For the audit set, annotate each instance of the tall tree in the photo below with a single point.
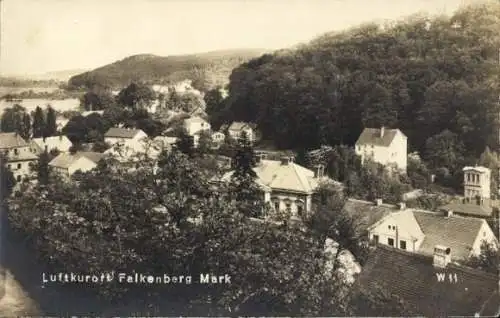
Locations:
(26, 127)
(491, 160)
(42, 168)
(50, 122)
(247, 191)
(185, 143)
(38, 123)
(7, 180)
(136, 96)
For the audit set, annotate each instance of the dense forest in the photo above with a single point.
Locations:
(205, 70)
(436, 79)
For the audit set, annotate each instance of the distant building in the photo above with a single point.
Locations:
(66, 164)
(90, 112)
(60, 143)
(384, 146)
(129, 150)
(236, 130)
(418, 231)
(196, 124)
(218, 137)
(430, 286)
(18, 153)
(119, 135)
(477, 182)
(288, 186)
(165, 142)
(477, 200)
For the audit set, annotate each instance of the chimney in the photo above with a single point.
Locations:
(60, 137)
(402, 205)
(382, 131)
(378, 202)
(442, 256)
(285, 160)
(320, 171)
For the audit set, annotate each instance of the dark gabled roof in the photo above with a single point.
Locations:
(115, 132)
(371, 136)
(469, 208)
(457, 233)
(366, 213)
(413, 278)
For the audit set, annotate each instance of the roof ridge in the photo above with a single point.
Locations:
(307, 186)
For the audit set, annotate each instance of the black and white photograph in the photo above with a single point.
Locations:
(249, 158)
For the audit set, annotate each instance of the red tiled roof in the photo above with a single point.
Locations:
(413, 278)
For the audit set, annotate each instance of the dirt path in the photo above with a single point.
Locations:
(15, 301)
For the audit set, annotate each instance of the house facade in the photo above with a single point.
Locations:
(236, 130)
(287, 186)
(218, 137)
(388, 147)
(19, 155)
(196, 124)
(66, 164)
(120, 135)
(128, 150)
(477, 182)
(419, 231)
(60, 143)
(400, 230)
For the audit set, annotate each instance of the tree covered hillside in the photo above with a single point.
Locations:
(205, 69)
(437, 79)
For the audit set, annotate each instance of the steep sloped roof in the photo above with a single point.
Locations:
(371, 136)
(278, 176)
(66, 160)
(11, 140)
(115, 132)
(366, 213)
(457, 233)
(62, 143)
(413, 278)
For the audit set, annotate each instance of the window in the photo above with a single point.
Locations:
(390, 241)
(18, 178)
(18, 166)
(375, 239)
(16, 152)
(389, 227)
(277, 205)
(402, 245)
(300, 210)
(288, 207)
(9, 166)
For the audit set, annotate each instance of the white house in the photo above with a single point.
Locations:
(165, 142)
(218, 137)
(236, 129)
(117, 135)
(90, 112)
(129, 149)
(61, 143)
(384, 146)
(477, 182)
(18, 153)
(419, 231)
(66, 164)
(286, 185)
(195, 124)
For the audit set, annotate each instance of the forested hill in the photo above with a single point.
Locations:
(436, 79)
(205, 69)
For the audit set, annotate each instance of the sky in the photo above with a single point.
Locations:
(39, 36)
